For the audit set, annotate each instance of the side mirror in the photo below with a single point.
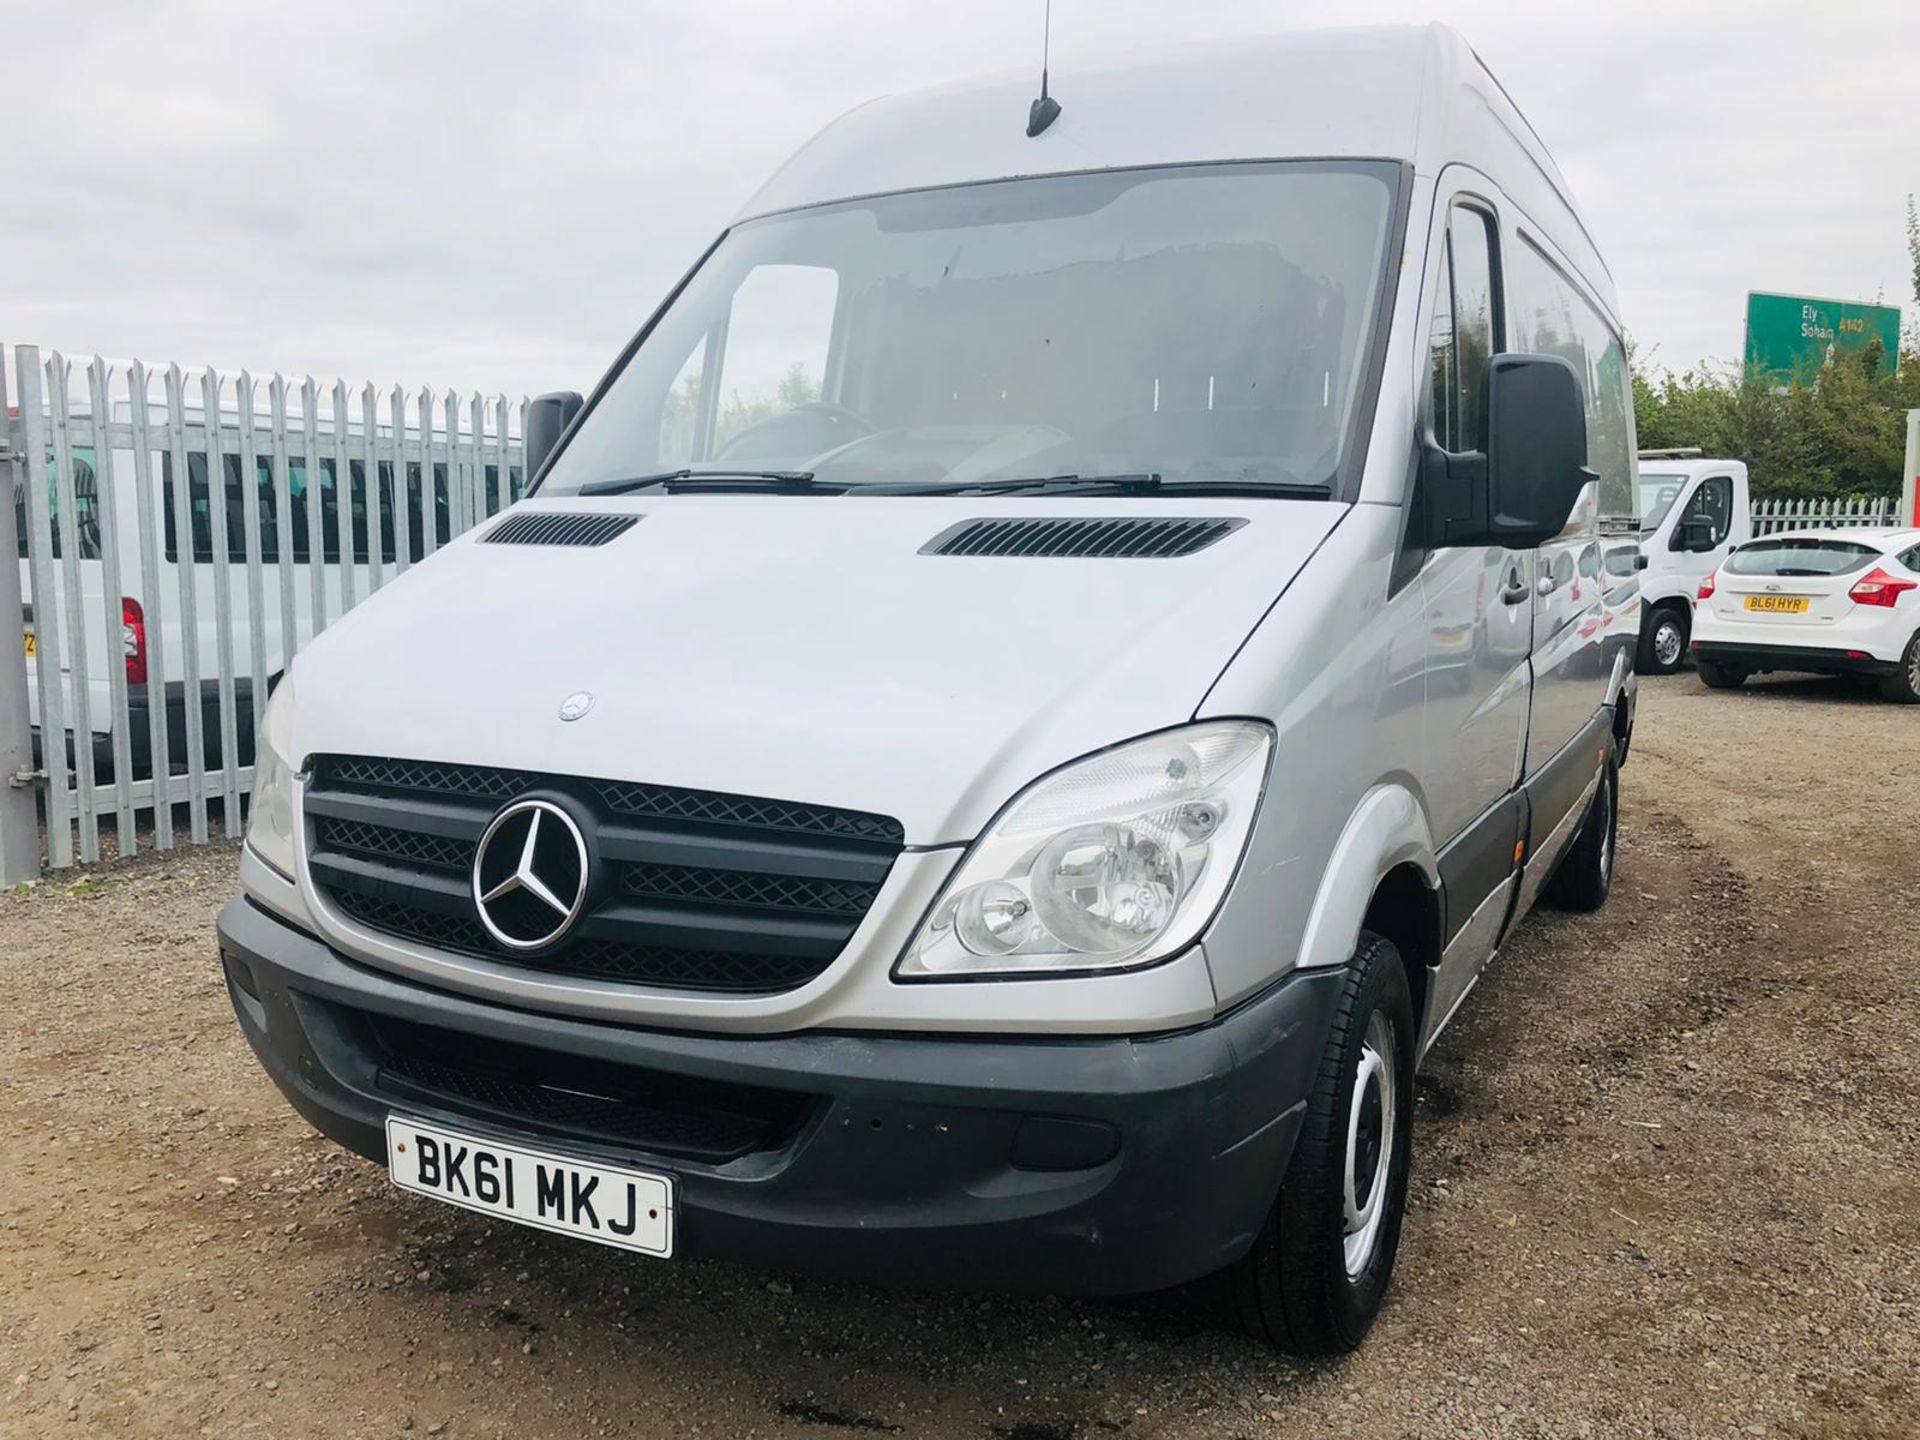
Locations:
(1536, 448)
(1695, 533)
(548, 417)
(1521, 491)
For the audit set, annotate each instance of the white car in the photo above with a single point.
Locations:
(1834, 602)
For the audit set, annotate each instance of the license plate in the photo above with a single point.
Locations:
(606, 1203)
(32, 648)
(1778, 604)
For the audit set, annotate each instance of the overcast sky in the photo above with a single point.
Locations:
(468, 194)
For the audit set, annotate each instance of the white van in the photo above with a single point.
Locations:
(140, 628)
(1017, 711)
(1694, 511)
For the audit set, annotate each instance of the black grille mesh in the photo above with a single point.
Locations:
(1157, 538)
(426, 776)
(481, 782)
(710, 808)
(733, 887)
(389, 842)
(589, 957)
(579, 1096)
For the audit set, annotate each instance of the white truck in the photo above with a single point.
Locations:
(1693, 511)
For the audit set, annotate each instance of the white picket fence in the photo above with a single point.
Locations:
(161, 604)
(1770, 517)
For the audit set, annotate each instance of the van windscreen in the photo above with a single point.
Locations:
(1204, 324)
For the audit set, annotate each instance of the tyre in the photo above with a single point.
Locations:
(1716, 676)
(1903, 686)
(1316, 1275)
(1585, 875)
(1663, 643)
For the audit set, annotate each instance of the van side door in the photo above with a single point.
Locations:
(1573, 661)
(1702, 532)
(1479, 620)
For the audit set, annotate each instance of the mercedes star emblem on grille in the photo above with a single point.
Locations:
(530, 875)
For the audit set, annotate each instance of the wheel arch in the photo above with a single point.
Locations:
(1382, 876)
(1406, 910)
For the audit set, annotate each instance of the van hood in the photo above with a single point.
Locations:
(799, 648)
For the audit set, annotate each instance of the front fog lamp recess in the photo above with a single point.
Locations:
(1116, 861)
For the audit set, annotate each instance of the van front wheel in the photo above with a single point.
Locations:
(1663, 642)
(1314, 1279)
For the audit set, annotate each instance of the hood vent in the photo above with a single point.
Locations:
(1142, 538)
(555, 527)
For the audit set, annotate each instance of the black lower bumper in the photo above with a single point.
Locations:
(1082, 1166)
(1811, 658)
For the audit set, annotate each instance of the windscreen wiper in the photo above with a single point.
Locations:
(685, 482)
(1020, 485)
(1145, 483)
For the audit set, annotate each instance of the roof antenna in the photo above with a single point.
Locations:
(1046, 109)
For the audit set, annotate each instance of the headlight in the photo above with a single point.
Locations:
(1116, 861)
(270, 826)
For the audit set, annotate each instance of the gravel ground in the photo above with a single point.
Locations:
(1665, 1183)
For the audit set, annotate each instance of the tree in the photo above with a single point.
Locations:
(1913, 245)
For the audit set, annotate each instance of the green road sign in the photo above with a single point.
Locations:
(1792, 336)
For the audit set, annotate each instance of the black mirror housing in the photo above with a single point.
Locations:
(1694, 534)
(1536, 448)
(1521, 490)
(548, 417)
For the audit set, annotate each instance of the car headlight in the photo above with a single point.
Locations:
(270, 826)
(1116, 861)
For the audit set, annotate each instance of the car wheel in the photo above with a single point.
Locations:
(1716, 676)
(1903, 686)
(1318, 1271)
(1663, 645)
(1585, 876)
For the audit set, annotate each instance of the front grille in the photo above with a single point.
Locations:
(695, 889)
(579, 1097)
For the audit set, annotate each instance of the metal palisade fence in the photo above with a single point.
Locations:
(177, 537)
(1770, 517)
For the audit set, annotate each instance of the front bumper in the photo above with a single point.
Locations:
(1814, 658)
(1073, 1165)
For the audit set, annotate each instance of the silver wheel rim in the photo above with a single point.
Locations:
(1666, 643)
(1370, 1140)
(1913, 666)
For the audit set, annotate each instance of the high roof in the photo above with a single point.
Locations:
(1416, 94)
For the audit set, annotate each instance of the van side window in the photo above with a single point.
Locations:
(1713, 503)
(299, 476)
(1464, 337)
(1549, 315)
(86, 500)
